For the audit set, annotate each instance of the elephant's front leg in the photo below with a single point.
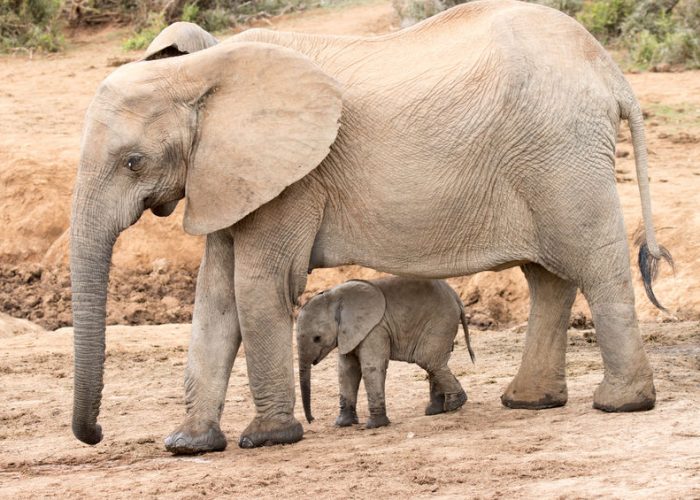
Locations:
(216, 337)
(349, 376)
(266, 327)
(374, 354)
(273, 248)
(541, 379)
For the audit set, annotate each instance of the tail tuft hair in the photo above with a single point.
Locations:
(649, 268)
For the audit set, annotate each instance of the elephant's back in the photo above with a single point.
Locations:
(460, 51)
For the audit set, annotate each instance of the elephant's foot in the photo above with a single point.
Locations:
(262, 432)
(375, 421)
(346, 418)
(455, 401)
(521, 396)
(619, 396)
(436, 406)
(192, 438)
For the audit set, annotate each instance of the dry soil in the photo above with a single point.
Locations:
(481, 451)
(42, 104)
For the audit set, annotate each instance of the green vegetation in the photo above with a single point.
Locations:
(212, 15)
(604, 18)
(653, 33)
(30, 24)
(144, 36)
(37, 24)
(663, 32)
(682, 116)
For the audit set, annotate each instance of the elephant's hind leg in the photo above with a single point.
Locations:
(446, 393)
(541, 378)
(437, 398)
(628, 382)
(216, 337)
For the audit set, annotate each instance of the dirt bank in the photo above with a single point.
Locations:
(481, 451)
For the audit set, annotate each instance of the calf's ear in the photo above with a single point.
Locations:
(361, 307)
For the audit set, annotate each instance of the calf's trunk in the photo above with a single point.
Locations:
(305, 383)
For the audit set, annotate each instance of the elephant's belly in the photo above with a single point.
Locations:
(418, 243)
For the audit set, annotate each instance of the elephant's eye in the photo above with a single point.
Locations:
(317, 339)
(133, 163)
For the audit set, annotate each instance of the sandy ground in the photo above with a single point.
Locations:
(483, 450)
(42, 105)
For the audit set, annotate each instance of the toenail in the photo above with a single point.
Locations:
(246, 442)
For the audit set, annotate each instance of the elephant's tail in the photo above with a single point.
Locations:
(650, 252)
(465, 326)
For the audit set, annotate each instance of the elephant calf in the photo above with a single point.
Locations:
(372, 322)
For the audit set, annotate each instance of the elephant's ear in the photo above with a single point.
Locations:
(178, 39)
(266, 117)
(361, 308)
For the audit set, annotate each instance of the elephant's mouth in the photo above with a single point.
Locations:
(164, 209)
(320, 356)
(323, 354)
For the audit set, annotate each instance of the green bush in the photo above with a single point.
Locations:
(654, 32)
(570, 7)
(30, 24)
(604, 18)
(212, 15)
(155, 24)
(190, 12)
(219, 15)
(216, 19)
(678, 47)
(663, 32)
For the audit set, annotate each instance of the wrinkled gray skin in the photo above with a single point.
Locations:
(482, 138)
(372, 322)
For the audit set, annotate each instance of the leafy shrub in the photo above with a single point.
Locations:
(212, 15)
(211, 19)
(604, 18)
(413, 11)
(143, 37)
(654, 32)
(570, 7)
(31, 24)
(663, 32)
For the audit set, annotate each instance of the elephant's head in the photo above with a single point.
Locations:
(342, 317)
(227, 128)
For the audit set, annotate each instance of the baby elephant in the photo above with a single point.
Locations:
(372, 322)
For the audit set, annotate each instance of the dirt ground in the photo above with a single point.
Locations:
(483, 450)
(42, 105)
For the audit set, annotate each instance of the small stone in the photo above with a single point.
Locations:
(622, 153)
(410, 435)
(160, 266)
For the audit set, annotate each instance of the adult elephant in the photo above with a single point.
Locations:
(482, 138)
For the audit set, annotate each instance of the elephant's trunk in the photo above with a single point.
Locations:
(91, 253)
(305, 383)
